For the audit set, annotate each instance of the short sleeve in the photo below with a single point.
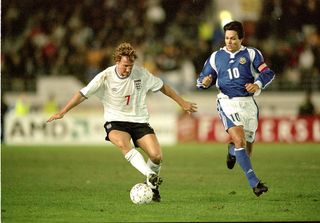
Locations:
(94, 85)
(154, 83)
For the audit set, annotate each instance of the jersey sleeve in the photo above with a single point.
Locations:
(94, 86)
(154, 83)
(208, 69)
(266, 75)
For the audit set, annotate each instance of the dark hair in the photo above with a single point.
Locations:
(124, 49)
(235, 26)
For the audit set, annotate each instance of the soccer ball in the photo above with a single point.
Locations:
(141, 194)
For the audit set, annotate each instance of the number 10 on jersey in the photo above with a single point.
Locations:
(233, 73)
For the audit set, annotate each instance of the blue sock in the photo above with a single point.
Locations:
(231, 149)
(245, 163)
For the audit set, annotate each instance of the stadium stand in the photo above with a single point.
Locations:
(55, 41)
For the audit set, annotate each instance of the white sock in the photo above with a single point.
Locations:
(155, 167)
(137, 160)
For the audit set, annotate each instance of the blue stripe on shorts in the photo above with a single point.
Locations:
(227, 123)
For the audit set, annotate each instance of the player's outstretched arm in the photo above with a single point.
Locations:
(74, 101)
(185, 105)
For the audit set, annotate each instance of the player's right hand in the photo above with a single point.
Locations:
(54, 117)
(206, 82)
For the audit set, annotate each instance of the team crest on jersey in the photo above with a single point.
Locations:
(242, 60)
(137, 83)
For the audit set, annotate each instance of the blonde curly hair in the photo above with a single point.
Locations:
(124, 49)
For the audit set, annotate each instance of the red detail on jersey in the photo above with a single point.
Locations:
(263, 67)
(128, 99)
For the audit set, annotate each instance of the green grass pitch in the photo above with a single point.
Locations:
(92, 183)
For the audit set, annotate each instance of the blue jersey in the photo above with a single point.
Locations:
(231, 71)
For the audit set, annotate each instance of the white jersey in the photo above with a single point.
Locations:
(123, 99)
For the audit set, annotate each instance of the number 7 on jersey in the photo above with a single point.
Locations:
(128, 99)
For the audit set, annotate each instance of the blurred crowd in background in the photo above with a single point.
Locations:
(77, 37)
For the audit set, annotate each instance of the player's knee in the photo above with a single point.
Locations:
(156, 158)
(239, 142)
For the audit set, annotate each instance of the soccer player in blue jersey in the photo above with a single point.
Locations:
(239, 73)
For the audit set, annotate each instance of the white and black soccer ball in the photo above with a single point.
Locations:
(141, 194)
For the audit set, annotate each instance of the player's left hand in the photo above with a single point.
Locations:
(190, 107)
(252, 88)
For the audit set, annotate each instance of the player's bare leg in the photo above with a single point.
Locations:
(237, 136)
(122, 141)
(150, 144)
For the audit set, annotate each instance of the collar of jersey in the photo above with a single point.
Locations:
(232, 54)
(115, 70)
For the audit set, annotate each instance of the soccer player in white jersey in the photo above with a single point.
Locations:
(122, 89)
(239, 73)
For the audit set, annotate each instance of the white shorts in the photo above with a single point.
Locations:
(239, 111)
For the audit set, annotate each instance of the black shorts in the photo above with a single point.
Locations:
(136, 130)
